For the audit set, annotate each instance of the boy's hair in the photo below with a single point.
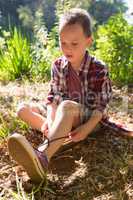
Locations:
(76, 16)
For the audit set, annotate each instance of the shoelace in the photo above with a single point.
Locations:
(47, 141)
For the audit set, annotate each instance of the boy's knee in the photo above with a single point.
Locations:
(22, 109)
(69, 107)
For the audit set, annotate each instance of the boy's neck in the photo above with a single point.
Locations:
(77, 66)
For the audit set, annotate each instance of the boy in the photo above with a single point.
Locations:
(80, 90)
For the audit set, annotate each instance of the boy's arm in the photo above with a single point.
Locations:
(56, 87)
(85, 129)
(51, 111)
(103, 93)
(93, 121)
(54, 97)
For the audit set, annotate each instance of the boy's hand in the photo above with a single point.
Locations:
(78, 134)
(84, 130)
(46, 127)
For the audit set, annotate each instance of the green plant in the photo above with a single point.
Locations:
(114, 46)
(16, 59)
(20, 194)
(45, 50)
(4, 129)
(10, 125)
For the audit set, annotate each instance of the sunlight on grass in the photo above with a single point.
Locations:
(13, 125)
(104, 172)
(21, 194)
(16, 60)
(4, 130)
(80, 172)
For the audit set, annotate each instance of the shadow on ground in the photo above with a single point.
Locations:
(101, 167)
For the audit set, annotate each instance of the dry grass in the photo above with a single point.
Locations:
(99, 168)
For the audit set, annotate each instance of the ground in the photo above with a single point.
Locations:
(98, 168)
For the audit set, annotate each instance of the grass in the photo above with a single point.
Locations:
(11, 124)
(4, 130)
(15, 58)
(99, 168)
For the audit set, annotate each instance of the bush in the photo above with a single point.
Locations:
(115, 47)
(21, 59)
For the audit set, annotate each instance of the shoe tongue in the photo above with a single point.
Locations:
(43, 158)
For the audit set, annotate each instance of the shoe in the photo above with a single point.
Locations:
(34, 162)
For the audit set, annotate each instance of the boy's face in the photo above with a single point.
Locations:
(73, 43)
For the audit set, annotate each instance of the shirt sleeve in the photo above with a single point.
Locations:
(103, 89)
(56, 88)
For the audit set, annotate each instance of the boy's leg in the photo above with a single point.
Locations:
(67, 116)
(30, 113)
(35, 162)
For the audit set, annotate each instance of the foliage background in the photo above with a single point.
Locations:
(29, 37)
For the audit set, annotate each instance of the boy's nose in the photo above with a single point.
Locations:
(69, 50)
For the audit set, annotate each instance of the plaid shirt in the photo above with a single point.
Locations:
(95, 90)
(95, 85)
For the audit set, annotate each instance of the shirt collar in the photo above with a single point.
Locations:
(85, 61)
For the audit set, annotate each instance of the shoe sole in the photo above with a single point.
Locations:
(22, 152)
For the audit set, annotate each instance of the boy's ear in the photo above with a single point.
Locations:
(90, 40)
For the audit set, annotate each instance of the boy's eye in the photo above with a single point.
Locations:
(63, 43)
(74, 44)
